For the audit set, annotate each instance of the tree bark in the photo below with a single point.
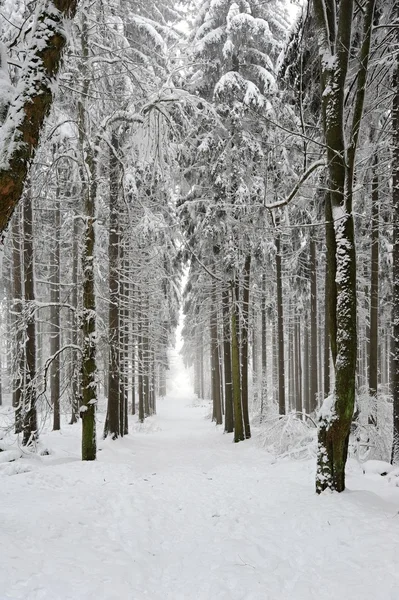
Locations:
(331, 271)
(313, 325)
(32, 103)
(88, 401)
(374, 342)
(306, 387)
(75, 359)
(113, 424)
(19, 354)
(30, 433)
(55, 341)
(326, 337)
(140, 351)
(298, 364)
(228, 384)
(336, 415)
(244, 347)
(280, 330)
(215, 367)
(133, 379)
(263, 396)
(235, 367)
(124, 341)
(395, 258)
(290, 359)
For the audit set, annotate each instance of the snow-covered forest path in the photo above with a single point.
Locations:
(177, 511)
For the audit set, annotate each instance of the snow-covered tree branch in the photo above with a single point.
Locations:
(30, 101)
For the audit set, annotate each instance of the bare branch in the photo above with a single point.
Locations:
(316, 165)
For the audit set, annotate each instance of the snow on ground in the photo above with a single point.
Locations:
(177, 511)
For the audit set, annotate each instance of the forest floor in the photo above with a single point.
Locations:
(177, 511)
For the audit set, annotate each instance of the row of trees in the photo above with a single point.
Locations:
(90, 269)
(295, 189)
(261, 161)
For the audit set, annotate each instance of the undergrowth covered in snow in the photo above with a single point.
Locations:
(295, 435)
(292, 435)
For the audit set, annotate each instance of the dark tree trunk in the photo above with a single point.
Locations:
(133, 380)
(134, 356)
(89, 385)
(280, 330)
(331, 271)
(146, 361)
(275, 361)
(163, 366)
(202, 376)
(113, 423)
(140, 350)
(75, 362)
(336, 417)
(125, 289)
(291, 372)
(263, 397)
(244, 347)
(395, 267)
(313, 326)
(33, 103)
(215, 366)
(88, 402)
(30, 433)
(374, 342)
(19, 354)
(298, 365)
(122, 343)
(55, 341)
(235, 367)
(326, 337)
(228, 385)
(306, 388)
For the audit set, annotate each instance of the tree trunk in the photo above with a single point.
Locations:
(88, 401)
(280, 330)
(146, 366)
(331, 270)
(395, 258)
(298, 365)
(124, 341)
(263, 397)
(113, 424)
(30, 433)
(202, 375)
(89, 370)
(19, 354)
(215, 367)
(228, 385)
(374, 342)
(326, 337)
(313, 325)
(75, 359)
(244, 347)
(306, 387)
(235, 368)
(337, 411)
(290, 359)
(22, 127)
(133, 380)
(140, 350)
(55, 341)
